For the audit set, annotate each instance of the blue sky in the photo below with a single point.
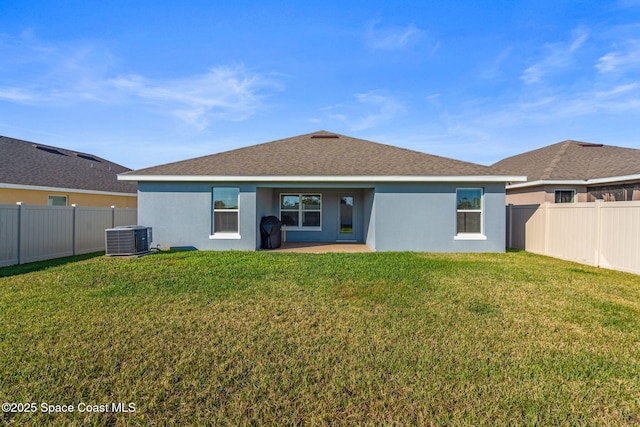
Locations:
(143, 82)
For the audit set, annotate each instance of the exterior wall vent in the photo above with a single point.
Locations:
(324, 136)
(588, 144)
(88, 157)
(49, 150)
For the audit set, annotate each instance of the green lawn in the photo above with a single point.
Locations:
(231, 338)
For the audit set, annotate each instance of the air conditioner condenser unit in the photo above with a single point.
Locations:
(128, 240)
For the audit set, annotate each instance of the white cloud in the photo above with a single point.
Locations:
(532, 74)
(369, 110)
(541, 110)
(557, 56)
(223, 93)
(618, 90)
(84, 72)
(493, 68)
(38, 73)
(476, 133)
(434, 99)
(629, 3)
(16, 95)
(578, 42)
(392, 38)
(621, 59)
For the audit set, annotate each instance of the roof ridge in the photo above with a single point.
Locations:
(304, 155)
(546, 173)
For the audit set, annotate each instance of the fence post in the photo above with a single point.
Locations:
(20, 210)
(74, 219)
(547, 232)
(598, 231)
(510, 231)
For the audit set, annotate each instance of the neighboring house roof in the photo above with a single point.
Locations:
(317, 156)
(576, 162)
(26, 164)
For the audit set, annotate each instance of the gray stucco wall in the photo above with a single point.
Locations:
(369, 215)
(390, 217)
(264, 207)
(180, 215)
(422, 217)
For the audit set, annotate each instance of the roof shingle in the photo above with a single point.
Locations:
(571, 160)
(28, 163)
(320, 154)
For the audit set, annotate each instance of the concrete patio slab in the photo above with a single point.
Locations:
(320, 248)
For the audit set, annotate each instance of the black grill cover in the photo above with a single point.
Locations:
(270, 232)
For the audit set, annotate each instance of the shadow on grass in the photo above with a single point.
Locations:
(16, 270)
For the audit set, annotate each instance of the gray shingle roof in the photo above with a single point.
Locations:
(320, 154)
(574, 160)
(28, 163)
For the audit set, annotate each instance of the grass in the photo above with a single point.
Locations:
(228, 338)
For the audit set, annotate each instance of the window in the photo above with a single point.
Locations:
(469, 210)
(346, 214)
(57, 201)
(565, 196)
(301, 211)
(225, 210)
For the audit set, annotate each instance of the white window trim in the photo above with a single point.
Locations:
(573, 190)
(224, 235)
(300, 227)
(471, 236)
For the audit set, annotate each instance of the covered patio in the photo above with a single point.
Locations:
(317, 215)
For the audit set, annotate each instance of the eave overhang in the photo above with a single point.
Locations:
(593, 181)
(323, 178)
(65, 190)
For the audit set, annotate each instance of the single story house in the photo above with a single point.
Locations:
(38, 174)
(325, 187)
(574, 171)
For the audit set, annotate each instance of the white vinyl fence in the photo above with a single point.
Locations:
(35, 233)
(602, 234)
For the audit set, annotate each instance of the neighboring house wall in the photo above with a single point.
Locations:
(526, 196)
(41, 197)
(614, 192)
(389, 217)
(610, 173)
(544, 193)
